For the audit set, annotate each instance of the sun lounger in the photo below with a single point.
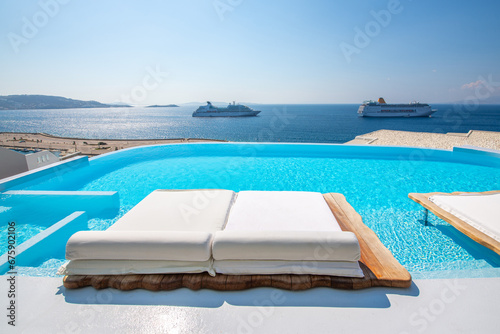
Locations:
(266, 233)
(288, 240)
(477, 215)
(284, 232)
(171, 230)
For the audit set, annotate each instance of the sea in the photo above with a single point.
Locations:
(303, 123)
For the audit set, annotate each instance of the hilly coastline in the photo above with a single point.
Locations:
(17, 102)
(163, 106)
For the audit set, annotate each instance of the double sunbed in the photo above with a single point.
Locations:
(223, 233)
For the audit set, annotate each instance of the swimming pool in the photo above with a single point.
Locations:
(375, 180)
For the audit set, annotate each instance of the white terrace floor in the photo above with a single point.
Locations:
(429, 306)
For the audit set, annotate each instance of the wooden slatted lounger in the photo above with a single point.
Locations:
(379, 266)
(464, 227)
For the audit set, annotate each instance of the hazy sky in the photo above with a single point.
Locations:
(275, 51)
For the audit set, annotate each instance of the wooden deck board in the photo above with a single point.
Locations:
(374, 255)
(459, 224)
(378, 264)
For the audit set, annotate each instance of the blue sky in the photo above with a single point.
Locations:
(152, 52)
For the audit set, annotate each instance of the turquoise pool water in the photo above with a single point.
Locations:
(376, 181)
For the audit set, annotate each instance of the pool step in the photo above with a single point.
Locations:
(95, 203)
(49, 241)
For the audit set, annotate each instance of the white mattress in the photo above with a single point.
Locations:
(481, 211)
(124, 267)
(178, 210)
(281, 210)
(331, 268)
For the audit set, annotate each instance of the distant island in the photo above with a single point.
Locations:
(16, 102)
(163, 106)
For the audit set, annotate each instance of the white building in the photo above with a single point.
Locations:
(12, 162)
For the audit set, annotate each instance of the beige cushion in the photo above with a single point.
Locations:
(285, 245)
(178, 210)
(281, 210)
(139, 245)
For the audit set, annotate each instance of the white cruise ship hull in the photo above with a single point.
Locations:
(226, 113)
(378, 111)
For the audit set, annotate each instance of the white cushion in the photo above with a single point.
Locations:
(285, 245)
(281, 210)
(178, 210)
(124, 267)
(139, 245)
(481, 211)
(270, 267)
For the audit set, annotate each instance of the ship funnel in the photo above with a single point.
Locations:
(381, 100)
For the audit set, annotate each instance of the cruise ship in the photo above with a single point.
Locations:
(232, 110)
(382, 109)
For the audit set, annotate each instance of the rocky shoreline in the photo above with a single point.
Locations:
(484, 139)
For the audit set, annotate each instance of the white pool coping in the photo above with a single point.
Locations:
(434, 306)
(55, 168)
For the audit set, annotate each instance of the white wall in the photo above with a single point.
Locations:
(11, 163)
(40, 159)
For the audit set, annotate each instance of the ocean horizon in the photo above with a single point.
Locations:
(299, 123)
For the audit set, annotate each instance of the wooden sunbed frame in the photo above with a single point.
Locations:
(459, 224)
(379, 266)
